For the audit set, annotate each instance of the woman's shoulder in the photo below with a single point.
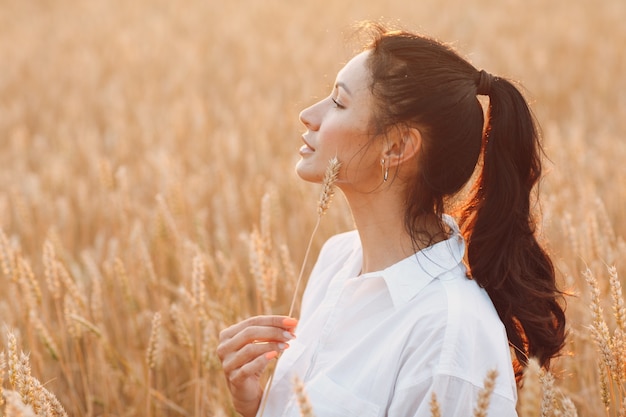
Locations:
(335, 253)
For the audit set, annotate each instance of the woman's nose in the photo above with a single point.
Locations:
(310, 117)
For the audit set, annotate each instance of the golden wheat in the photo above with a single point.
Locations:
(27, 396)
(138, 135)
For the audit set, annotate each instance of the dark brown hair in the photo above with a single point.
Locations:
(419, 82)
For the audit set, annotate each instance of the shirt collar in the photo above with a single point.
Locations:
(408, 277)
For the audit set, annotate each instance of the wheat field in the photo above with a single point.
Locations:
(148, 195)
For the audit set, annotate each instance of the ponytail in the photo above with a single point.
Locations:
(503, 253)
(420, 82)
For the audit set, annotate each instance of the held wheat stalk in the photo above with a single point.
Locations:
(326, 196)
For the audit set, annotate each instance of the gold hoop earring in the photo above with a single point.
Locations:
(385, 170)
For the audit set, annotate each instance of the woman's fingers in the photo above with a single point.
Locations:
(255, 331)
(252, 369)
(248, 340)
(250, 353)
(283, 322)
(245, 349)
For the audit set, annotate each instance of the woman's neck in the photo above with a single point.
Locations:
(379, 218)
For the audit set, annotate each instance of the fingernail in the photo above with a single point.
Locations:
(289, 322)
(271, 355)
(283, 346)
(289, 335)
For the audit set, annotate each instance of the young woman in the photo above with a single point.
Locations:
(397, 310)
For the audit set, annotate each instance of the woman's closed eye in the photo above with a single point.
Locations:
(337, 103)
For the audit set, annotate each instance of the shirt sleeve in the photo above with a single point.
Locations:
(456, 397)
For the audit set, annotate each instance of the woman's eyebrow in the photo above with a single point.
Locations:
(343, 85)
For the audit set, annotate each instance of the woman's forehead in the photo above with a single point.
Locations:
(354, 75)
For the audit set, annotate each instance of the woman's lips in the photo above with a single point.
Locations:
(306, 148)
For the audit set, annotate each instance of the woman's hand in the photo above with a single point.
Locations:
(245, 349)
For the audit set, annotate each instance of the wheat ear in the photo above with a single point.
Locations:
(618, 299)
(152, 357)
(306, 410)
(530, 395)
(434, 406)
(152, 353)
(549, 395)
(484, 396)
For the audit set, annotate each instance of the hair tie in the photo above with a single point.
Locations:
(483, 84)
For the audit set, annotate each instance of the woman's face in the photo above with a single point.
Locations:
(339, 126)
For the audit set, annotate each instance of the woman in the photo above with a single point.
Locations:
(393, 313)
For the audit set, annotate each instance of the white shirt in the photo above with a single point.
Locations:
(379, 344)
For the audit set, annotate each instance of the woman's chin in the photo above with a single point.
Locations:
(307, 174)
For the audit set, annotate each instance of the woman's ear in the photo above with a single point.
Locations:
(404, 145)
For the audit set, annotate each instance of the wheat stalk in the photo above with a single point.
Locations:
(70, 285)
(262, 269)
(12, 360)
(618, 300)
(180, 328)
(605, 391)
(15, 407)
(152, 354)
(288, 267)
(28, 397)
(45, 336)
(306, 410)
(122, 276)
(549, 395)
(530, 394)
(326, 195)
(69, 311)
(27, 282)
(328, 186)
(50, 270)
(85, 323)
(599, 328)
(24, 380)
(7, 257)
(3, 365)
(612, 368)
(484, 396)
(198, 287)
(434, 406)
(568, 407)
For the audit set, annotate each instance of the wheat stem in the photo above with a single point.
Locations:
(326, 196)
